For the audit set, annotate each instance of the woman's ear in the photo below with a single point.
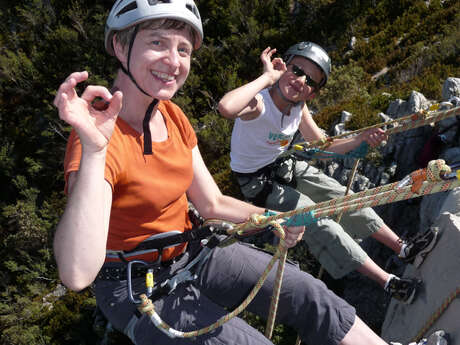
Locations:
(120, 51)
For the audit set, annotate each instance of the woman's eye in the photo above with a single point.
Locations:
(155, 43)
(186, 51)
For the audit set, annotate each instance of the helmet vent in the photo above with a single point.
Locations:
(130, 7)
(193, 9)
(154, 2)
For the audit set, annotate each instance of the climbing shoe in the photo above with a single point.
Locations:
(419, 246)
(403, 289)
(437, 338)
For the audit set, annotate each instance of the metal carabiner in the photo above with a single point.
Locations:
(455, 174)
(149, 280)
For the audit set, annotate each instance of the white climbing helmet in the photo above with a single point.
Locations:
(126, 13)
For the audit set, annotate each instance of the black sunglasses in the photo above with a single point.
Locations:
(299, 72)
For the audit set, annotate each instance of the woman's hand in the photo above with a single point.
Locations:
(293, 235)
(273, 68)
(94, 126)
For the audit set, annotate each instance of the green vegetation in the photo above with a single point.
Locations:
(41, 42)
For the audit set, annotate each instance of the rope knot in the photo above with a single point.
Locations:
(146, 306)
(436, 169)
(432, 173)
(258, 220)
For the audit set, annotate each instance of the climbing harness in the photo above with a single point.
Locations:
(170, 284)
(281, 171)
(207, 235)
(255, 221)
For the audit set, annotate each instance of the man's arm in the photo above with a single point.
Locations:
(311, 132)
(242, 102)
(308, 127)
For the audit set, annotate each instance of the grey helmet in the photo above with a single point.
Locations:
(126, 13)
(312, 52)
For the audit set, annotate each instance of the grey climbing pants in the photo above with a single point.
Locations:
(316, 313)
(334, 245)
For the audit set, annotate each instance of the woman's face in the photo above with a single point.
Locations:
(160, 60)
(296, 83)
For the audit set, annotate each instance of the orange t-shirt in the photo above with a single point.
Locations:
(148, 190)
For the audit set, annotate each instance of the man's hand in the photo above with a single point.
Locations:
(373, 136)
(273, 68)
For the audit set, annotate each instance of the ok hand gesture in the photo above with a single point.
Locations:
(273, 68)
(94, 126)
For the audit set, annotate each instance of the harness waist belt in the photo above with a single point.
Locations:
(172, 240)
(119, 272)
(162, 241)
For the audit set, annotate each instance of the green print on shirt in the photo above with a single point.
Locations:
(278, 139)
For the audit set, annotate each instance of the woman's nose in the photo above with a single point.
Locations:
(173, 57)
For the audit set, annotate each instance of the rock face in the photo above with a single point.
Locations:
(404, 153)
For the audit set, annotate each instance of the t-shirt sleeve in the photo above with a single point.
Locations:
(73, 157)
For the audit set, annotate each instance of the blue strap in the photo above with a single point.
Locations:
(269, 213)
(359, 152)
(305, 219)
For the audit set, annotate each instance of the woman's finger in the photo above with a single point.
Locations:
(115, 103)
(93, 91)
(68, 86)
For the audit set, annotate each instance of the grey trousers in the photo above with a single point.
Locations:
(318, 315)
(334, 245)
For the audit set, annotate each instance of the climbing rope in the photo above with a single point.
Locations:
(442, 308)
(338, 219)
(421, 182)
(421, 118)
(377, 196)
(255, 221)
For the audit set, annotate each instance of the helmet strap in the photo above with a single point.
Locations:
(149, 111)
(128, 71)
(146, 128)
